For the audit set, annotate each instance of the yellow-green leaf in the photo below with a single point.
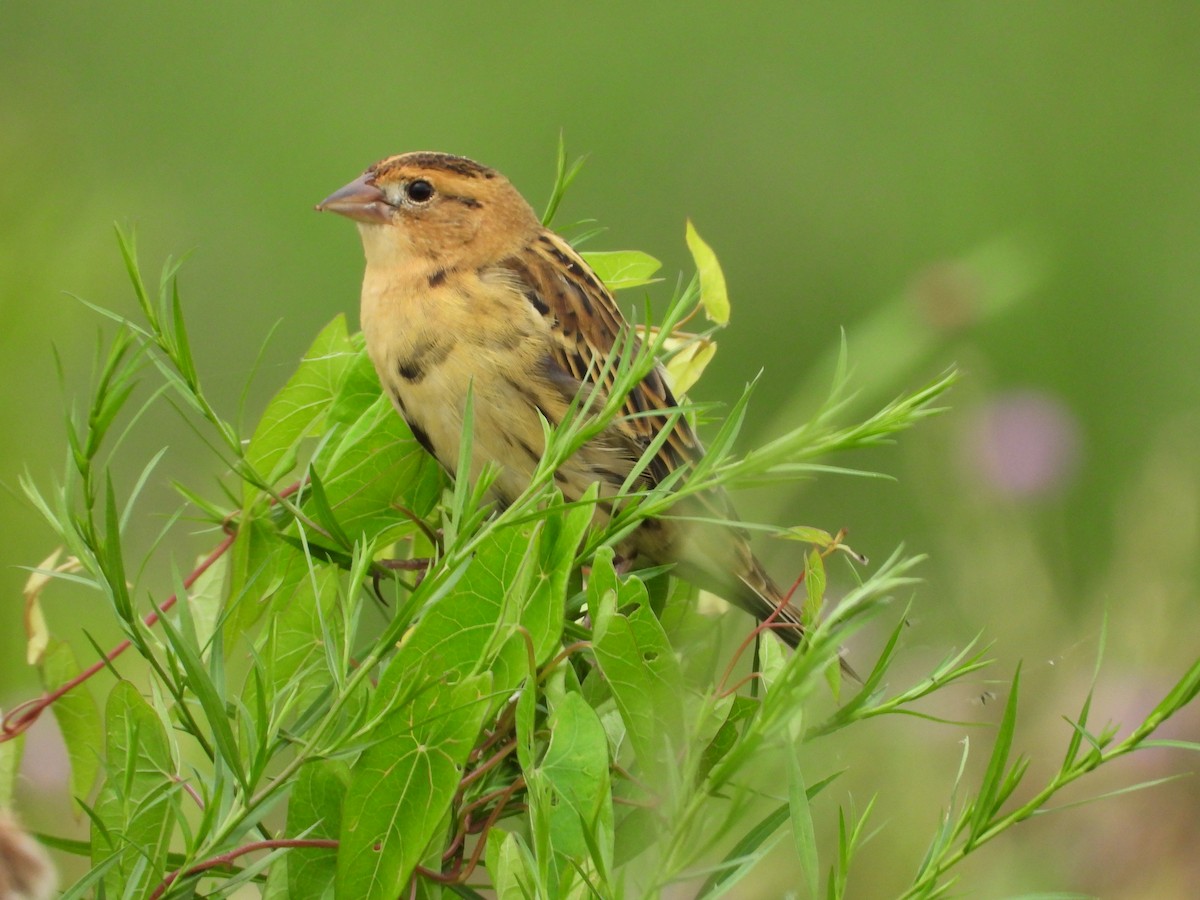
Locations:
(685, 367)
(620, 269)
(713, 295)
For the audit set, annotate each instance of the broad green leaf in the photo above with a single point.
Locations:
(372, 470)
(77, 715)
(207, 684)
(620, 269)
(562, 533)
(639, 665)
(401, 788)
(453, 635)
(738, 709)
(298, 410)
(576, 765)
(315, 811)
(808, 534)
(205, 601)
(359, 387)
(265, 573)
(509, 866)
(713, 295)
(137, 803)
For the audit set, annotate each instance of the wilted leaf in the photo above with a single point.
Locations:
(37, 634)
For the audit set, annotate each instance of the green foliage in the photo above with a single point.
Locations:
(377, 680)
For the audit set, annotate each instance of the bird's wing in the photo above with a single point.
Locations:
(585, 326)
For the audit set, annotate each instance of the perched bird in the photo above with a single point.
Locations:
(464, 288)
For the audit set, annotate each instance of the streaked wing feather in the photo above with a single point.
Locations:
(586, 325)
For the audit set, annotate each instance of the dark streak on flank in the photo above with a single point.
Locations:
(410, 371)
(417, 366)
(438, 277)
(533, 455)
(422, 437)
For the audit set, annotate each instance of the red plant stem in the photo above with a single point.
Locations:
(480, 770)
(563, 654)
(226, 858)
(765, 625)
(457, 875)
(21, 717)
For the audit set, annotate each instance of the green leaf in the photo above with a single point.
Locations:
(137, 803)
(401, 788)
(78, 718)
(576, 765)
(295, 645)
(994, 779)
(621, 269)
(746, 854)
(315, 811)
(298, 410)
(713, 295)
(640, 668)
(562, 532)
(510, 866)
(359, 388)
(466, 630)
(803, 831)
(814, 586)
(209, 690)
(372, 470)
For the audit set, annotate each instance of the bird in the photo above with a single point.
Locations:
(465, 292)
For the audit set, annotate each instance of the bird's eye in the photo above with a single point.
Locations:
(419, 191)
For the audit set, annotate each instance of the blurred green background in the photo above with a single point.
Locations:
(1011, 187)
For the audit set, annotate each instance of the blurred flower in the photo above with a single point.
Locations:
(44, 764)
(1023, 443)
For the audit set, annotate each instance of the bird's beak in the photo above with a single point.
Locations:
(360, 200)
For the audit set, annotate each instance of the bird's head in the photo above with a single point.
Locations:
(435, 206)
